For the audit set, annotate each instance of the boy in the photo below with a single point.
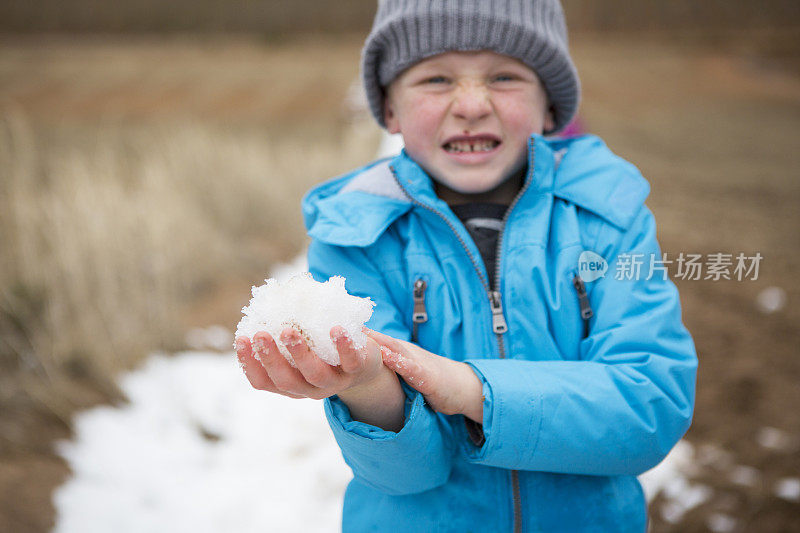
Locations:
(527, 399)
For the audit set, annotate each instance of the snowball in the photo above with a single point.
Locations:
(312, 308)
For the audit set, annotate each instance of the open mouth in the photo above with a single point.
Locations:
(482, 145)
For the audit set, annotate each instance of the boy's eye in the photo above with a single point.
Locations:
(436, 79)
(504, 77)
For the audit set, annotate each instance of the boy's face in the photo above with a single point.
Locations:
(466, 117)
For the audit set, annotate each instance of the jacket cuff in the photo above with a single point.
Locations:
(390, 461)
(338, 415)
(504, 418)
(477, 432)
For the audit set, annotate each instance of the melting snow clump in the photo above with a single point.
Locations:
(312, 308)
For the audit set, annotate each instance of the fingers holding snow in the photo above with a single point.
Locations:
(350, 359)
(288, 380)
(249, 365)
(254, 371)
(316, 371)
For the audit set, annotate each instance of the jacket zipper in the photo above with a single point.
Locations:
(420, 315)
(583, 299)
(499, 324)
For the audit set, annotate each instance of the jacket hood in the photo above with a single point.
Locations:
(356, 208)
(592, 177)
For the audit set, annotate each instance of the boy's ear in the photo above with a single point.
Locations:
(549, 119)
(389, 116)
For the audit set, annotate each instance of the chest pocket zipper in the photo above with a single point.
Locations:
(420, 315)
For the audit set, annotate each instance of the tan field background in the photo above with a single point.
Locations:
(152, 161)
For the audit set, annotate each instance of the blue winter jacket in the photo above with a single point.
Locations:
(569, 420)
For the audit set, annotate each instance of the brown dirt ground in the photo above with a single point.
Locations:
(714, 131)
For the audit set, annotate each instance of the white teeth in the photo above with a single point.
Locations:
(476, 146)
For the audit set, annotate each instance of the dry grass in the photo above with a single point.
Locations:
(109, 233)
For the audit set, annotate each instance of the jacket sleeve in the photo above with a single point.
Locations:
(618, 410)
(418, 457)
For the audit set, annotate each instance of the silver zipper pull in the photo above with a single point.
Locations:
(583, 298)
(498, 321)
(420, 314)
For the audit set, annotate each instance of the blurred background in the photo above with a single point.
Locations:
(153, 156)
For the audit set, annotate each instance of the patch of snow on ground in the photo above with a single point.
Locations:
(198, 450)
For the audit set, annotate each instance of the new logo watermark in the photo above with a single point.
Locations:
(636, 266)
(591, 266)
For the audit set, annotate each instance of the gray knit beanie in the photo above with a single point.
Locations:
(533, 31)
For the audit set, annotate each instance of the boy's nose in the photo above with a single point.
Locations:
(471, 102)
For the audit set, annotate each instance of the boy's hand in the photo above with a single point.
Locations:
(449, 387)
(267, 369)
